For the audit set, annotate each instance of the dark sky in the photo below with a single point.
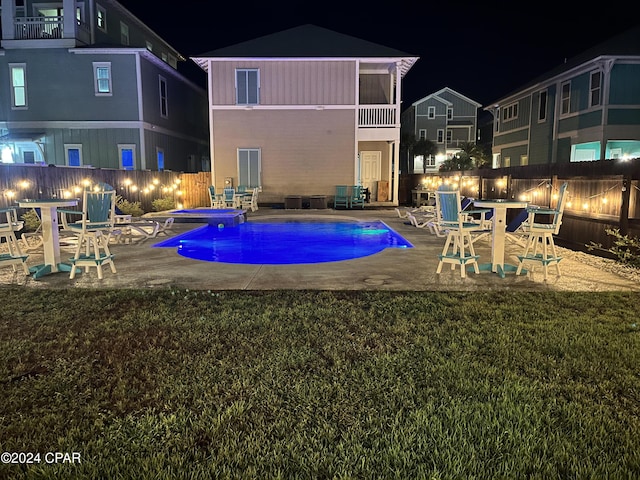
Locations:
(484, 49)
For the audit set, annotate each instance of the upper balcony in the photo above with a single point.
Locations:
(28, 29)
(378, 116)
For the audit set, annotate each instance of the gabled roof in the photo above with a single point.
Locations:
(625, 44)
(308, 41)
(436, 96)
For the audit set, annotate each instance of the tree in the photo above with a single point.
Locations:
(425, 148)
(407, 142)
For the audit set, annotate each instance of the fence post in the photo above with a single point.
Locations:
(624, 205)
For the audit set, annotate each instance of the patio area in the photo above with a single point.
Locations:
(139, 265)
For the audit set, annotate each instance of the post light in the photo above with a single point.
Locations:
(24, 184)
(86, 182)
(77, 189)
(10, 193)
(134, 188)
(585, 206)
(155, 181)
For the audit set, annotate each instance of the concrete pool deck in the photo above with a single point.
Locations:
(139, 265)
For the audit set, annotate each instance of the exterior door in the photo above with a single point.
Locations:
(370, 171)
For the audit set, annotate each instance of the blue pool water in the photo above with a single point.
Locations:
(286, 243)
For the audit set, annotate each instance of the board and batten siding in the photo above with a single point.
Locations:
(291, 163)
(289, 82)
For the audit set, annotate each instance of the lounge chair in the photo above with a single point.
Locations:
(8, 227)
(542, 233)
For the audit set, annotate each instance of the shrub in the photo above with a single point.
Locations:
(625, 248)
(31, 221)
(162, 204)
(129, 208)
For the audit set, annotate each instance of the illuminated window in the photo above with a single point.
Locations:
(73, 155)
(101, 18)
(247, 86)
(18, 77)
(127, 154)
(102, 78)
(160, 159)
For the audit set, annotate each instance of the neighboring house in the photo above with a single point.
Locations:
(95, 87)
(586, 109)
(303, 110)
(447, 118)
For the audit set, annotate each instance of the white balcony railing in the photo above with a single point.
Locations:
(31, 28)
(377, 116)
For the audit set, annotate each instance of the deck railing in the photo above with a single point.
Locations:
(378, 116)
(32, 28)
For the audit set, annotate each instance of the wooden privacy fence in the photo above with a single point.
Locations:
(601, 195)
(31, 181)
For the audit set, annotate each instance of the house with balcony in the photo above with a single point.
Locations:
(300, 111)
(586, 109)
(448, 119)
(86, 83)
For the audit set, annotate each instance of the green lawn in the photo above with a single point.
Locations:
(295, 384)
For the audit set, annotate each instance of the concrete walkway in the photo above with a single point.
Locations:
(141, 266)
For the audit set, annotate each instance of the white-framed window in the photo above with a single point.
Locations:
(449, 113)
(565, 98)
(101, 17)
(160, 158)
(422, 134)
(149, 46)
(449, 136)
(102, 79)
(124, 33)
(595, 89)
(127, 155)
(431, 112)
(249, 168)
(18, 79)
(164, 106)
(542, 106)
(440, 135)
(73, 154)
(510, 112)
(247, 86)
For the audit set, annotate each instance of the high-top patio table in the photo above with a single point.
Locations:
(50, 236)
(498, 229)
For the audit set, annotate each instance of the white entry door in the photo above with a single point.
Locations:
(370, 171)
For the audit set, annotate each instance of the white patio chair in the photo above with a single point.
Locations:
(8, 227)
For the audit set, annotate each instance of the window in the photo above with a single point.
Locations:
(101, 18)
(596, 86)
(124, 33)
(431, 112)
(127, 154)
(160, 159)
(524, 160)
(422, 134)
(542, 106)
(565, 97)
(29, 156)
(449, 136)
(149, 46)
(440, 135)
(73, 155)
(249, 167)
(449, 113)
(506, 162)
(510, 112)
(247, 86)
(172, 60)
(163, 98)
(102, 78)
(18, 72)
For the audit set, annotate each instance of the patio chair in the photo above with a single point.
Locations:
(8, 228)
(163, 228)
(250, 200)
(341, 198)
(229, 198)
(215, 198)
(459, 231)
(357, 197)
(540, 235)
(33, 240)
(93, 230)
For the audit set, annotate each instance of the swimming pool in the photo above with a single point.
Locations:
(286, 242)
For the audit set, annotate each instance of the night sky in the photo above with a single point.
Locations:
(484, 50)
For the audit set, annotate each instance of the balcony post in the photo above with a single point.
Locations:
(69, 21)
(8, 19)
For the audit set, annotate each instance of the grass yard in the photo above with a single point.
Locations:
(323, 385)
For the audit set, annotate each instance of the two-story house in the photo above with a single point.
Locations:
(586, 109)
(303, 110)
(446, 118)
(86, 83)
